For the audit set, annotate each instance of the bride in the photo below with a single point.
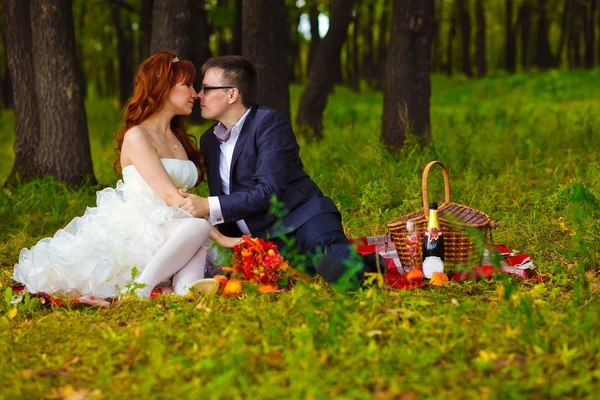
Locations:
(139, 223)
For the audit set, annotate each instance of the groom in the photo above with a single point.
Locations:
(252, 155)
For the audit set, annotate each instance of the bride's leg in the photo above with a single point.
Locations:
(175, 254)
(191, 272)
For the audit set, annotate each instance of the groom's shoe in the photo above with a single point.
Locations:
(341, 274)
(207, 287)
(371, 260)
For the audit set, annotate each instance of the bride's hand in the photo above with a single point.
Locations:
(222, 240)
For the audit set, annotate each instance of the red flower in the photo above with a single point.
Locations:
(259, 262)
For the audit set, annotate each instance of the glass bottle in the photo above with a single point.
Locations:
(433, 244)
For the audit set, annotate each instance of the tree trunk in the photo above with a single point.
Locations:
(576, 31)
(315, 38)
(354, 78)
(18, 44)
(200, 49)
(145, 36)
(564, 32)
(383, 42)
(222, 46)
(437, 61)
(63, 150)
(294, 62)
(170, 27)
(524, 24)
(6, 89)
(510, 56)
(79, 32)
(122, 24)
(448, 66)
(369, 45)
(480, 45)
(236, 29)
(589, 13)
(320, 80)
(465, 35)
(543, 56)
(265, 31)
(407, 88)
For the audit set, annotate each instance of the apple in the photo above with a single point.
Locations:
(414, 276)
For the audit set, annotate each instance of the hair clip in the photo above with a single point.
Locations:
(175, 59)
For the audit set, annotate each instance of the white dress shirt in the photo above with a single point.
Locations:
(216, 215)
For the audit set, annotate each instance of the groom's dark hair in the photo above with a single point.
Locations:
(239, 72)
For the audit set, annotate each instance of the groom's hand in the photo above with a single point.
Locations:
(195, 205)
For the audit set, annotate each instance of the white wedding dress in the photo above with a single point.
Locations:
(94, 255)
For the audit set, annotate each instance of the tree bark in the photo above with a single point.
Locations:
(480, 43)
(18, 44)
(265, 31)
(510, 56)
(524, 24)
(320, 80)
(122, 24)
(407, 89)
(170, 27)
(145, 36)
(63, 150)
(465, 35)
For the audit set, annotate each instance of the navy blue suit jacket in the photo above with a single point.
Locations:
(265, 162)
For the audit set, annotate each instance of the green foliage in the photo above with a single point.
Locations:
(522, 148)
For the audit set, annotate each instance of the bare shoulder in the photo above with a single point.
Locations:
(136, 142)
(136, 135)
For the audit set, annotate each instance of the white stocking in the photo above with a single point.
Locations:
(184, 250)
(191, 272)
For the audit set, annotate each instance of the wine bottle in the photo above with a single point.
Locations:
(433, 244)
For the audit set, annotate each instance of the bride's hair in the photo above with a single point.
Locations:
(155, 77)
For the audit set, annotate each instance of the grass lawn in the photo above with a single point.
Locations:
(522, 148)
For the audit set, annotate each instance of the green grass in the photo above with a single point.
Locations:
(522, 148)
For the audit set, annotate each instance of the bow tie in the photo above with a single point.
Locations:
(222, 133)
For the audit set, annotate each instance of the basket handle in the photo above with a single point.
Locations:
(425, 186)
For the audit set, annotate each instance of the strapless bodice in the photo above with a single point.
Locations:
(183, 173)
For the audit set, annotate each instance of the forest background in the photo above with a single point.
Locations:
(504, 92)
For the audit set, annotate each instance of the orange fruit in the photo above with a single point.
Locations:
(439, 279)
(414, 275)
(268, 288)
(233, 288)
(222, 279)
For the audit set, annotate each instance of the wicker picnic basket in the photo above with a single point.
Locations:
(454, 220)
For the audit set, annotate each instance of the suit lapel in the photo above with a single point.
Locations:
(241, 142)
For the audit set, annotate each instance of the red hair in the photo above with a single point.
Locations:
(155, 77)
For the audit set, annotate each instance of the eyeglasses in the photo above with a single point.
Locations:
(204, 89)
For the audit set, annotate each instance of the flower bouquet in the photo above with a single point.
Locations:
(259, 263)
